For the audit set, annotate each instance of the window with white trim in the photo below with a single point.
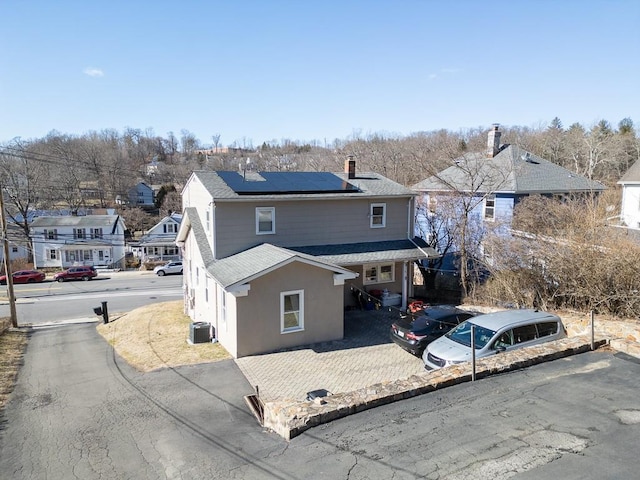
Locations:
(291, 311)
(265, 220)
(378, 273)
(378, 215)
(79, 233)
(96, 233)
(52, 254)
(490, 207)
(170, 228)
(51, 234)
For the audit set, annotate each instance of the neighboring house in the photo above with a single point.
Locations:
(78, 240)
(496, 180)
(273, 258)
(18, 243)
(630, 212)
(159, 243)
(142, 195)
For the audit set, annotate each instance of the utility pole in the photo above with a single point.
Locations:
(7, 262)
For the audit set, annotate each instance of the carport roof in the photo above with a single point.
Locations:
(371, 252)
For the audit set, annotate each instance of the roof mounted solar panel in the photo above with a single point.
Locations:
(282, 183)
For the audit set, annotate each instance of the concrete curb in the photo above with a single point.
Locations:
(289, 419)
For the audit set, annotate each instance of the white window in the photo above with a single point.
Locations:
(79, 233)
(378, 215)
(86, 255)
(170, 228)
(208, 226)
(52, 254)
(490, 207)
(223, 309)
(101, 255)
(51, 234)
(265, 220)
(379, 273)
(96, 233)
(292, 311)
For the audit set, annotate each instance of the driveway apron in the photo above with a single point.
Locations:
(78, 411)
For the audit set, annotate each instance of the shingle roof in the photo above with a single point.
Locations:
(632, 175)
(512, 170)
(257, 261)
(371, 252)
(369, 185)
(76, 221)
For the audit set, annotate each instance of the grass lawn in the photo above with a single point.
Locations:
(155, 336)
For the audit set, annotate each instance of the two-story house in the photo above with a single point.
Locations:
(64, 241)
(271, 259)
(159, 243)
(142, 195)
(491, 183)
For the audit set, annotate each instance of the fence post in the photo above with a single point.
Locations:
(593, 340)
(473, 353)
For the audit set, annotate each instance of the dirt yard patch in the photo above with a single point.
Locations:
(155, 336)
(12, 346)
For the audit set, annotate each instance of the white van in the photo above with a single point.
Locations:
(494, 333)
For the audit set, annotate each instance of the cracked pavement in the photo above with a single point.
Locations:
(78, 411)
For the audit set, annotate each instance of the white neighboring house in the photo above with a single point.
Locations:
(630, 212)
(78, 240)
(159, 243)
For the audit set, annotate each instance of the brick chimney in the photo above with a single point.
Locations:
(350, 167)
(493, 142)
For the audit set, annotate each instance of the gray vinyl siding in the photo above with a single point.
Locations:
(303, 223)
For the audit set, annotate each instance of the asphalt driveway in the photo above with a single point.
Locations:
(79, 412)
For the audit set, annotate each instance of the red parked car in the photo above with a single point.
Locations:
(76, 273)
(24, 276)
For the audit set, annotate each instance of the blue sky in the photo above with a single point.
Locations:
(254, 71)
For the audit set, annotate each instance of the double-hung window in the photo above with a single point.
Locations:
(379, 273)
(265, 220)
(291, 311)
(79, 233)
(51, 234)
(490, 207)
(96, 233)
(378, 215)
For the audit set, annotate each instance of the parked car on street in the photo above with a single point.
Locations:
(168, 268)
(24, 276)
(414, 333)
(76, 273)
(493, 333)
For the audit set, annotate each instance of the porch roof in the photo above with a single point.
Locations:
(370, 252)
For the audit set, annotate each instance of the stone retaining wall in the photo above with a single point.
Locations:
(290, 419)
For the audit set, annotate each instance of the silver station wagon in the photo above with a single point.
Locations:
(494, 333)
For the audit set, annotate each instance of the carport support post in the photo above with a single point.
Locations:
(593, 339)
(105, 313)
(473, 353)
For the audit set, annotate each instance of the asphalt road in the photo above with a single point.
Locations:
(52, 302)
(79, 412)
